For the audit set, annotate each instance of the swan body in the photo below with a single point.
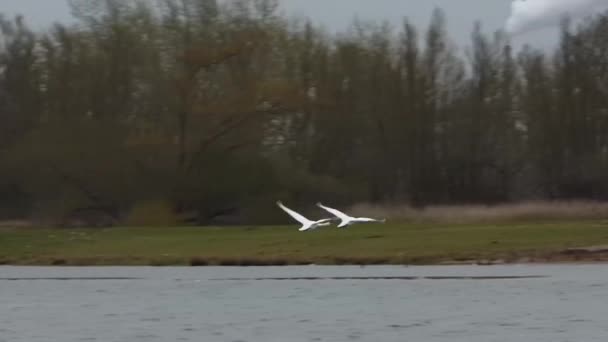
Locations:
(346, 220)
(306, 223)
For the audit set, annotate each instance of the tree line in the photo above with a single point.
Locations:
(192, 110)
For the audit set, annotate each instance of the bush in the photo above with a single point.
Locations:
(152, 213)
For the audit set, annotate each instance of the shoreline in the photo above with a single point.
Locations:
(564, 257)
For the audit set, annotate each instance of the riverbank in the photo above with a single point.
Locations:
(284, 245)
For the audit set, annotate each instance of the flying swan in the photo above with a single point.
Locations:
(306, 223)
(348, 220)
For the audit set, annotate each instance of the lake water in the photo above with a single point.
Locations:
(551, 303)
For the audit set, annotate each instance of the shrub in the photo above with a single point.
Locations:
(152, 213)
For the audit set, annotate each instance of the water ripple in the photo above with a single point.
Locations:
(310, 303)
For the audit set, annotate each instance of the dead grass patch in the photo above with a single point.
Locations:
(515, 212)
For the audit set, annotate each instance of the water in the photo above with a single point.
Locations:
(568, 303)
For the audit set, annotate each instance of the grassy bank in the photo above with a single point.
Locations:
(369, 244)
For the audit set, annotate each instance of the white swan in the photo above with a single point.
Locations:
(306, 223)
(348, 220)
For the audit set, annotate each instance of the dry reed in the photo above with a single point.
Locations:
(512, 212)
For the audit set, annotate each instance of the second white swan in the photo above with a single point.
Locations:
(346, 220)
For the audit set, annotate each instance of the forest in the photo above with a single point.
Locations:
(207, 112)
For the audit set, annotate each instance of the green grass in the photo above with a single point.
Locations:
(361, 244)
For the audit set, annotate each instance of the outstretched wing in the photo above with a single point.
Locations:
(369, 219)
(303, 220)
(335, 212)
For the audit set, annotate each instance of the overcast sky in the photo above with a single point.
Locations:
(336, 15)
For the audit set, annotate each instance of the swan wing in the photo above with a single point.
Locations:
(334, 212)
(303, 220)
(369, 219)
